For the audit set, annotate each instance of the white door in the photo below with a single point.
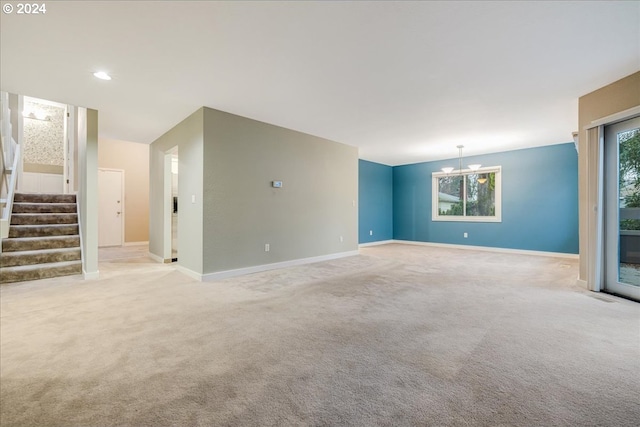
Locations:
(111, 207)
(622, 208)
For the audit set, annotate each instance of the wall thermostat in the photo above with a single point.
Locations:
(276, 184)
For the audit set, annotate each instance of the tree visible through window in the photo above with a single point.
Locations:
(629, 175)
(467, 195)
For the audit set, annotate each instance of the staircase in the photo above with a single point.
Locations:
(44, 238)
(10, 162)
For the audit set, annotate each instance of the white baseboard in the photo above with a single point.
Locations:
(135, 243)
(188, 272)
(209, 277)
(489, 249)
(380, 242)
(156, 258)
(90, 276)
(583, 284)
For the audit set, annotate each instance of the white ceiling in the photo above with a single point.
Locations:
(404, 81)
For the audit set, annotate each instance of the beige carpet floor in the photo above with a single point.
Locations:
(397, 336)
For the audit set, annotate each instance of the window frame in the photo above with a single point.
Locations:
(435, 213)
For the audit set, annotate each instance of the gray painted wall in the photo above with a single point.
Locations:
(228, 163)
(305, 218)
(188, 136)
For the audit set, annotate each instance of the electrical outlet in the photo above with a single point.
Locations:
(266, 247)
(370, 232)
(341, 239)
(466, 235)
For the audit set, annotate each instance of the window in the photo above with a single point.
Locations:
(467, 195)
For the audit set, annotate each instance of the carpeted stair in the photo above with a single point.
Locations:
(44, 238)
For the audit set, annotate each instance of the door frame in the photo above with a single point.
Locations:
(22, 99)
(595, 194)
(123, 213)
(167, 252)
(611, 213)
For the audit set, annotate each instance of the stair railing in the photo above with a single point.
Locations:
(10, 165)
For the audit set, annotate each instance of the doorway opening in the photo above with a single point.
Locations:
(172, 202)
(622, 209)
(49, 141)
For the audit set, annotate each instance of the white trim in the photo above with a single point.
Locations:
(190, 273)
(90, 276)
(135, 243)
(614, 118)
(167, 205)
(608, 238)
(378, 243)
(155, 257)
(445, 218)
(583, 284)
(85, 275)
(598, 281)
(435, 194)
(490, 249)
(209, 277)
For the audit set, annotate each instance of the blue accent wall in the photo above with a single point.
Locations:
(539, 202)
(375, 195)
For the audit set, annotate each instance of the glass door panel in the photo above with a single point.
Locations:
(622, 208)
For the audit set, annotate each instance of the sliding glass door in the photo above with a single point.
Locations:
(622, 208)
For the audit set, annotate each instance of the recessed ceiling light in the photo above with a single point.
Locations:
(102, 75)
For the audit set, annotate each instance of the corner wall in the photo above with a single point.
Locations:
(539, 202)
(88, 189)
(606, 101)
(305, 218)
(375, 194)
(188, 136)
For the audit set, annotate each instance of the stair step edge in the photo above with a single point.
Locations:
(41, 251)
(34, 238)
(30, 267)
(43, 225)
(42, 213)
(46, 207)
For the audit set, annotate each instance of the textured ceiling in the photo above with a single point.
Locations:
(404, 81)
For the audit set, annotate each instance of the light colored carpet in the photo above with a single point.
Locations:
(398, 336)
